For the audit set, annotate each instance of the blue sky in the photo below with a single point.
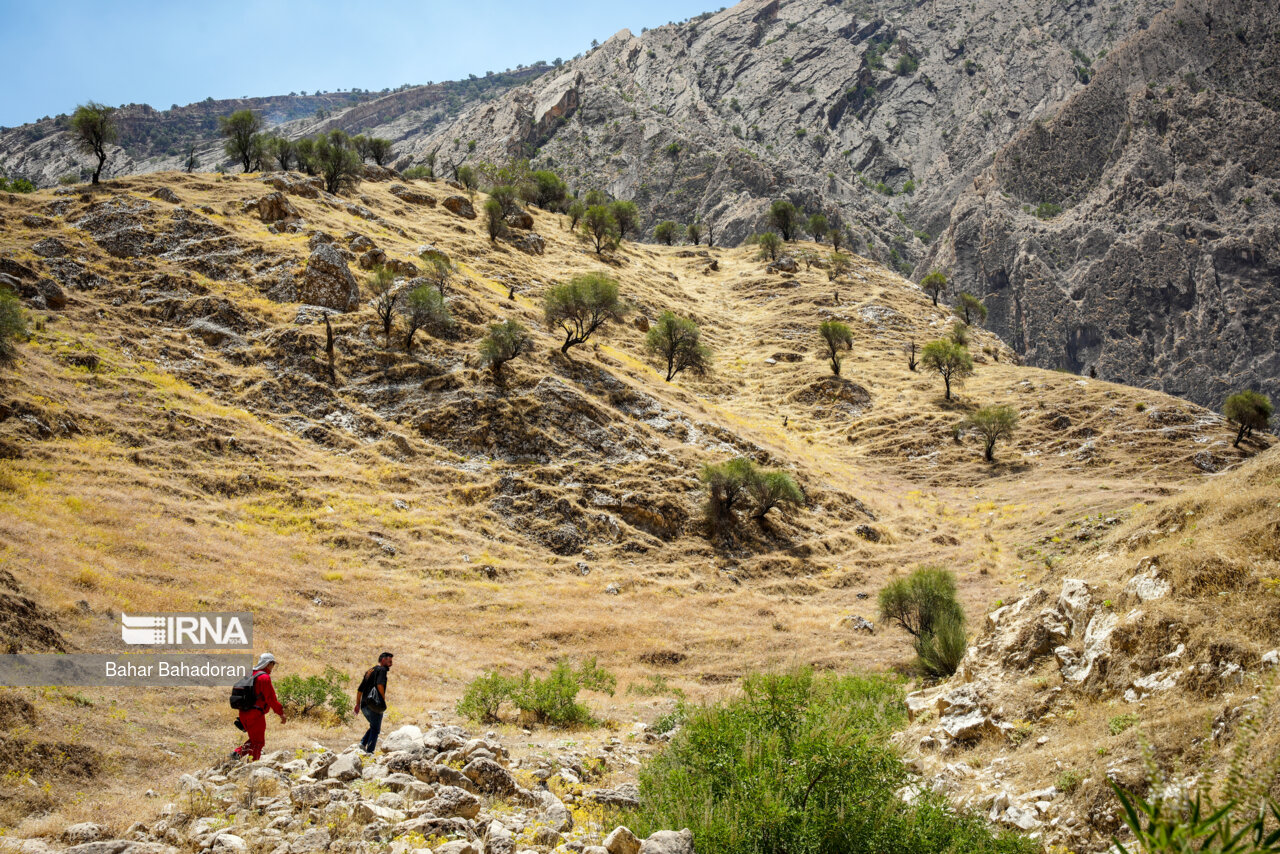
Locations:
(55, 54)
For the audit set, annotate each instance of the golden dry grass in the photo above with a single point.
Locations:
(178, 477)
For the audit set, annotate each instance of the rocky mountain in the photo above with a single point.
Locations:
(1155, 258)
(153, 140)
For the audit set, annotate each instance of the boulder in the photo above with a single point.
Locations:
(311, 841)
(374, 172)
(372, 258)
(530, 243)
(346, 768)
(42, 293)
(1149, 584)
(968, 726)
(85, 831)
(360, 243)
(328, 281)
(413, 197)
(50, 247)
(622, 841)
(429, 772)
(669, 842)
(641, 323)
(785, 264)
(460, 206)
(452, 802)
(367, 813)
(520, 218)
(309, 795)
(443, 737)
(274, 207)
(490, 777)
(498, 839)
(229, 843)
(164, 194)
(400, 267)
(1074, 602)
(405, 738)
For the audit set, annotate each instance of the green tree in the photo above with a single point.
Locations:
(919, 602)
(13, 326)
(380, 150)
(190, 162)
(595, 197)
(950, 360)
(424, 308)
(838, 264)
(726, 485)
(577, 210)
(582, 306)
(818, 227)
(835, 228)
(386, 300)
(959, 333)
(770, 489)
(992, 423)
(694, 232)
(494, 219)
(784, 217)
(337, 162)
(934, 284)
(240, 128)
(439, 269)
(970, 309)
(666, 232)
(601, 226)
(504, 342)
(549, 190)
(94, 127)
(505, 195)
(678, 342)
(281, 150)
(836, 336)
(304, 151)
(467, 178)
(627, 216)
(360, 143)
(770, 246)
(1250, 411)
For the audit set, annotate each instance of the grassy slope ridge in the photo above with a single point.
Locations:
(417, 506)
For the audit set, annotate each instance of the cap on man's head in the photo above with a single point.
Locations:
(263, 660)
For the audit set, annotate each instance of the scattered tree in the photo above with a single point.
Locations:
(380, 150)
(595, 197)
(424, 309)
(504, 342)
(959, 334)
(466, 177)
(549, 191)
(934, 284)
(241, 129)
(336, 161)
(577, 210)
(924, 604)
(386, 300)
(837, 336)
(770, 246)
(838, 264)
(494, 218)
(329, 350)
(582, 306)
(1250, 411)
(281, 151)
(726, 485)
(911, 355)
(94, 126)
(360, 143)
(626, 215)
(835, 228)
(677, 341)
(992, 423)
(601, 226)
(505, 195)
(950, 360)
(970, 308)
(784, 218)
(439, 269)
(304, 151)
(13, 326)
(694, 232)
(666, 232)
(818, 227)
(190, 163)
(771, 489)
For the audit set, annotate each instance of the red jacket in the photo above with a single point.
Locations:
(266, 694)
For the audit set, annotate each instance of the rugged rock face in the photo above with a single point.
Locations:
(1162, 269)
(328, 281)
(821, 102)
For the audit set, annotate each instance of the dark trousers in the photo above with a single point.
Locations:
(370, 740)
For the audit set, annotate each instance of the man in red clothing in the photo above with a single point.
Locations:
(254, 720)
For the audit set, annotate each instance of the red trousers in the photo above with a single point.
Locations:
(255, 726)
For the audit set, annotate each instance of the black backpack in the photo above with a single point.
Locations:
(373, 701)
(244, 694)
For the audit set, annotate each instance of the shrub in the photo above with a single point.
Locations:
(504, 342)
(601, 226)
(770, 489)
(784, 217)
(424, 308)
(1250, 410)
(678, 342)
(242, 130)
(304, 151)
(1121, 723)
(666, 232)
(1048, 210)
(726, 485)
(22, 185)
(940, 653)
(483, 699)
(907, 65)
(577, 210)
(770, 245)
(417, 173)
(334, 159)
(836, 230)
(924, 604)
(582, 306)
(94, 127)
(385, 300)
(838, 264)
(626, 216)
(13, 326)
(818, 227)
(303, 696)
(694, 232)
(959, 334)
(992, 423)
(969, 308)
(837, 336)
(505, 195)
(934, 284)
(281, 151)
(801, 763)
(466, 177)
(438, 268)
(380, 150)
(950, 360)
(548, 189)
(554, 699)
(494, 219)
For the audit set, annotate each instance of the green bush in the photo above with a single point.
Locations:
(1250, 410)
(678, 342)
(836, 336)
(924, 604)
(626, 215)
(1048, 210)
(17, 185)
(969, 308)
(770, 244)
(941, 652)
(732, 481)
(13, 325)
(305, 696)
(580, 307)
(483, 699)
(666, 232)
(993, 423)
(800, 764)
(417, 173)
(949, 360)
(785, 218)
(504, 342)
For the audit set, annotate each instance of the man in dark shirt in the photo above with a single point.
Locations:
(371, 700)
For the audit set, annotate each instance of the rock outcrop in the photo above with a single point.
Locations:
(328, 281)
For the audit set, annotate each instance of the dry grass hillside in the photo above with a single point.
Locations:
(171, 441)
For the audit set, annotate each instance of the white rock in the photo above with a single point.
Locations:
(622, 841)
(1074, 602)
(406, 738)
(367, 813)
(346, 767)
(1148, 585)
(1271, 658)
(229, 843)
